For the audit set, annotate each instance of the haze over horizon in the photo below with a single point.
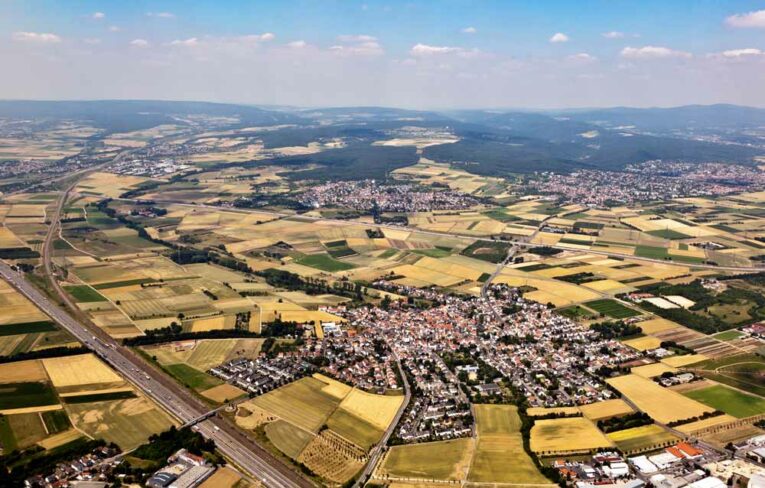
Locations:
(424, 55)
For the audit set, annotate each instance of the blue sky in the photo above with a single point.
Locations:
(428, 54)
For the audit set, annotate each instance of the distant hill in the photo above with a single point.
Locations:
(705, 117)
(128, 115)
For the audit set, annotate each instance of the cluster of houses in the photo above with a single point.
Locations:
(94, 466)
(261, 375)
(183, 470)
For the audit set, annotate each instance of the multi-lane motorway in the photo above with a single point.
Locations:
(233, 444)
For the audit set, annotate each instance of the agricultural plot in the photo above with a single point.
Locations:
(128, 423)
(728, 400)
(499, 454)
(82, 372)
(441, 461)
(606, 409)
(322, 423)
(566, 435)
(661, 404)
(612, 309)
(642, 439)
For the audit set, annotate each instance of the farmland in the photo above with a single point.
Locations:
(499, 454)
(641, 439)
(443, 461)
(566, 435)
(660, 403)
(730, 401)
(320, 422)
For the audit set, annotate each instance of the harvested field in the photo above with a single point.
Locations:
(81, 370)
(566, 435)
(443, 461)
(128, 423)
(606, 409)
(22, 371)
(661, 404)
(499, 454)
(60, 439)
(223, 393)
(641, 344)
(642, 439)
(302, 403)
(223, 478)
(378, 410)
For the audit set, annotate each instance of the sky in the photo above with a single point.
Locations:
(439, 54)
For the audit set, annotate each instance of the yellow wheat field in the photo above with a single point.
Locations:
(661, 404)
(84, 369)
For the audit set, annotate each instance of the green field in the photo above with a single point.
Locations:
(445, 460)
(501, 215)
(7, 439)
(744, 371)
(27, 429)
(287, 438)
(27, 328)
(301, 403)
(433, 253)
(56, 421)
(651, 252)
(22, 395)
(191, 377)
(612, 308)
(728, 400)
(500, 456)
(575, 312)
(84, 294)
(491, 251)
(324, 263)
(728, 335)
(668, 234)
(356, 430)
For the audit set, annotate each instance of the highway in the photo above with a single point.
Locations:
(233, 444)
(176, 400)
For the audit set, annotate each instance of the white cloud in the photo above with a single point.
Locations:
(114, 28)
(369, 48)
(93, 41)
(743, 53)
(754, 19)
(469, 30)
(161, 15)
(98, 15)
(653, 52)
(297, 44)
(266, 36)
(190, 42)
(356, 38)
(425, 50)
(36, 37)
(582, 58)
(613, 35)
(139, 43)
(361, 44)
(559, 37)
